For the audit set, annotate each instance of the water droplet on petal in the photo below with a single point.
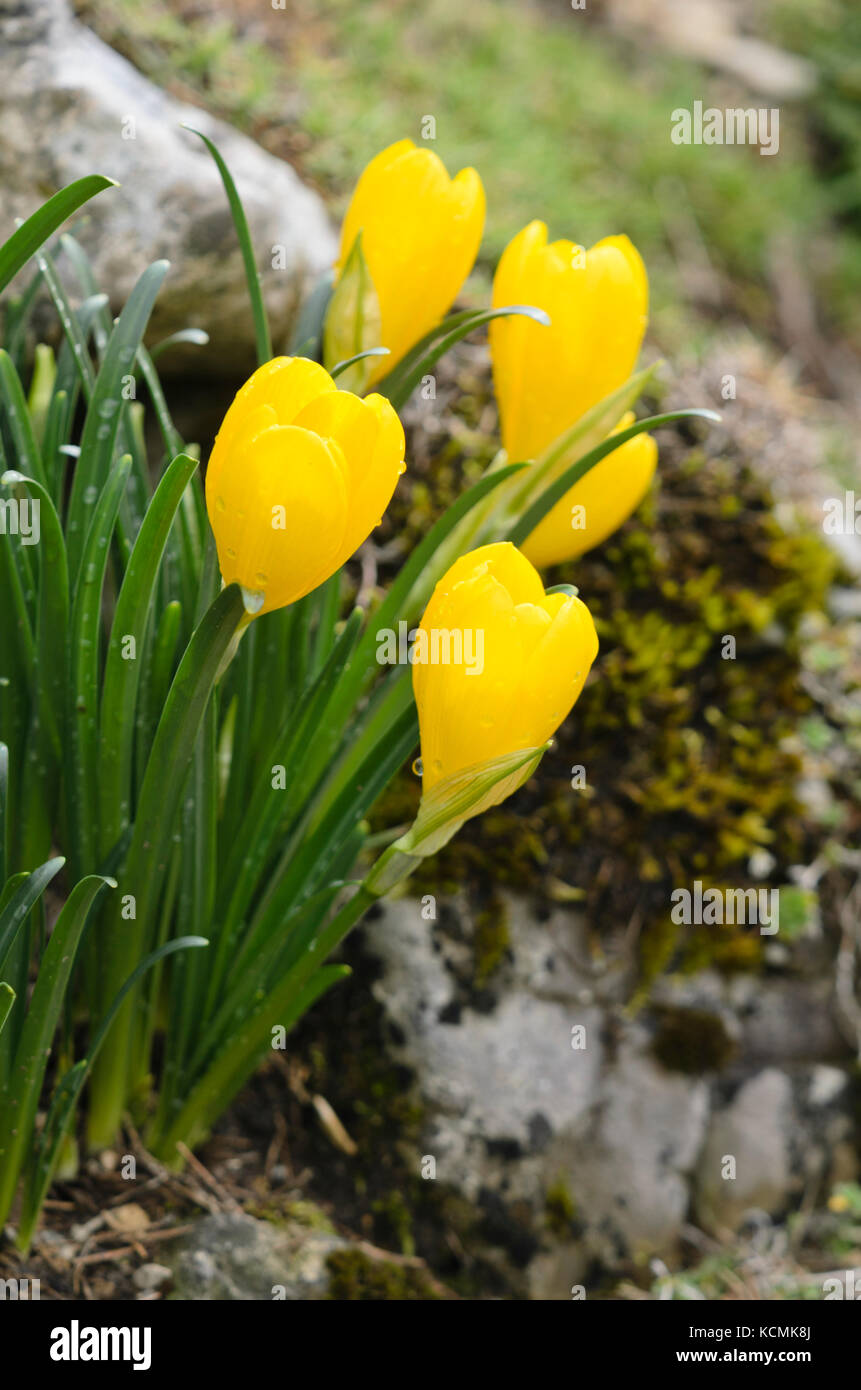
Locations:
(418, 767)
(260, 580)
(252, 600)
(220, 504)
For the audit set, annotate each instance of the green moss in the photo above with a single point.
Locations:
(289, 1213)
(354, 1276)
(490, 940)
(395, 1212)
(560, 1208)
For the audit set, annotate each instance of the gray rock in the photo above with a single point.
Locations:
(151, 1276)
(70, 106)
(570, 1155)
(518, 1117)
(235, 1257)
(780, 1134)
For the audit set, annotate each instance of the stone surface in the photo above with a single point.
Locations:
(70, 106)
(236, 1257)
(604, 1151)
(784, 1133)
(151, 1276)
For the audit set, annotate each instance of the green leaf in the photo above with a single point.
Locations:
(4, 810)
(27, 456)
(83, 692)
(527, 523)
(310, 851)
(7, 999)
(52, 619)
(189, 337)
(18, 1108)
(105, 412)
(75, 326)
(122, 675)
(20, 903)
(233, 1066)
(591, 429)
(341, 367)
(66, 1096)
(307, 339)
(41, 389)
(21, 245)
(353, 322)
(402, 601)
(406, 376)
(125, 942)
(252, 275)
(264, 814)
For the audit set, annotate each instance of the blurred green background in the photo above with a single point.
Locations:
(566, 114)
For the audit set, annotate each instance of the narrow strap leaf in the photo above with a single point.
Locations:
(252, 275)
(105, 412)
(125, 942)
(527, 523)
(122, 667)
(7, 999)
(402, 381)
(21, 245)
(18, 1110)
(27, 455)
(83, 713)
(14, 914)
(52, 618)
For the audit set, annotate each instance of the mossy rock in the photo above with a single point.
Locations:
(684, 726)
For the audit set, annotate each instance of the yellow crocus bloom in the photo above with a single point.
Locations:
(597, 300)
(547, 378)
(596, 506)
(536, 651)
(299, 476)
(421, 231)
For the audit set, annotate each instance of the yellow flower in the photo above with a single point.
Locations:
(421, 232)
(299, 476)
(597, 300)
(596, 506)
(535, 653)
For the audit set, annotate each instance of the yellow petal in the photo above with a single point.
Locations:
(371, 440)
(597, 300)
(608, 494)
(276, 393)
(279, 520)
(421, 231)
(536, 648)
(299, 476)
